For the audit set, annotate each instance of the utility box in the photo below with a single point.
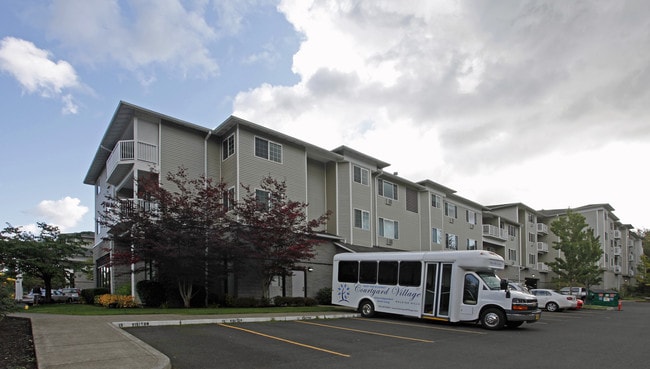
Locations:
(603, 297)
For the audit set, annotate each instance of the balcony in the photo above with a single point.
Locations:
(542, 228)
(495, 232)
(617, 234)
(125, 155)
(542, 247)
(130, 205)
(617, 269)
(617, 251)
(543, 268)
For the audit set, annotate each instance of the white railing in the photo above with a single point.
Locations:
(542, 247)
(124, 151)
(490, 230)
(617, 234)
(543, 268)
(129, 205)
(542, 228)
(617, 250)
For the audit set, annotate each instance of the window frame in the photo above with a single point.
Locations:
(269, 155)
(382, 192)
(382, 228)
(362, 180)
(228, 147)
(365, 222)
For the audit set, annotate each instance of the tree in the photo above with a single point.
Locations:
(643, 269)
(178, 234)
(47, 255)
(275, 230)
(580, 250)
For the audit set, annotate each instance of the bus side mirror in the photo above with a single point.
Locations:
(504, 284)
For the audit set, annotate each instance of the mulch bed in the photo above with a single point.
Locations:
(17, 344)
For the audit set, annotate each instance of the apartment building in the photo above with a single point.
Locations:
(371, 207)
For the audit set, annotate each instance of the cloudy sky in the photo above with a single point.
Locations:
(540, 102)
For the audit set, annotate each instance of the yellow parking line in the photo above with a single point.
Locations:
(366, 332)
(422, 326)
(284, 340)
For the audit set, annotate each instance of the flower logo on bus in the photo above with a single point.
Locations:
(343, 292)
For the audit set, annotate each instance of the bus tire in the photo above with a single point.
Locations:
(367, 309)
(493, 318)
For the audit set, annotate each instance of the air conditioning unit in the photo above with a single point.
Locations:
(471, 226)
(389, 202)
(389, 242)
(451, 220)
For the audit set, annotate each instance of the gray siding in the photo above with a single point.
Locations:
(316, 194)
(181, 147)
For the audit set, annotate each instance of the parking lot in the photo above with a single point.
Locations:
(570, 339)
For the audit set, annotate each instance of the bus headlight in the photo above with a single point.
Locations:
(524, 304)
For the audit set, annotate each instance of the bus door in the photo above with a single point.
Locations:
(437, 289)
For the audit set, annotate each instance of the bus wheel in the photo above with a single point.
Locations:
(367, 309)
(493, 318)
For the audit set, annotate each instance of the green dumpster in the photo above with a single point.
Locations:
(603, 297)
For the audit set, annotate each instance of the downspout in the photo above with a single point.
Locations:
(374, 205)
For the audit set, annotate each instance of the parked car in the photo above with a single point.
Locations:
(72, 294)
(518, 287)
(579, 292)
(56, 296)
(553, 301)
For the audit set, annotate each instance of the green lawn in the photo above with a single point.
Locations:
(83, 309)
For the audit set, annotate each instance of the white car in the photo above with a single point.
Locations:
(553, 301)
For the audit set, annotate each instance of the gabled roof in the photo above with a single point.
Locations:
(347, 151)
(121, 119)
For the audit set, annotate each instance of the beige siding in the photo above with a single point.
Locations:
(180, 147)
(344, 205)
(332, 196)
(316, 196)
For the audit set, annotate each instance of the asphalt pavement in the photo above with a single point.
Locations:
(96, 342)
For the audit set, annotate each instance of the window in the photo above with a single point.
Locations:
(228, 147)
(368, 272)
(348, 271)
(411, 200)
(532, 259)
(387, 272)
(532, 237)
(435, 201)
(361, 219)
(450, 210)
(268, 150)
(472, 244)
(387, 189)
(436, 235)
(361, 175)
(388, 228)
(410, 273)
(512, 230)
(471, 217)
(470, 291)
(262, 198)
(512, 255)
(229, 199)
(452, 241)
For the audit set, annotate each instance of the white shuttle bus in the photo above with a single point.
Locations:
(452, 286)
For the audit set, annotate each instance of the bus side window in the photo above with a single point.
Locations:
(387, 272)
(410, 273)
(368, 272)
(470, 291)
(348, 271)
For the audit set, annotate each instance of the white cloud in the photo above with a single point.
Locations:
(501, 100)
(160, 33)
(37, 73)
(64, 213)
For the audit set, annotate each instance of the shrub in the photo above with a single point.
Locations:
(124, 290)
(151, 293)
(294, 301)
(324, 296)
(116, 301)
(89, 294)
(7, 303)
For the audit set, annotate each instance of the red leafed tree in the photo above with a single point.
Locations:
(274, 230)
(177, 230)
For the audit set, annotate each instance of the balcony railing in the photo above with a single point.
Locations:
(542, 228)
(543, 268)
(496, 232)
(617, 269)
(124, 152)
(542, 247)
(617, 251)
(130, 205)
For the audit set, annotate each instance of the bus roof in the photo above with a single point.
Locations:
(464, 258)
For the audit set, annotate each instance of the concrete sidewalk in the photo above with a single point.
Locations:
(94, 342)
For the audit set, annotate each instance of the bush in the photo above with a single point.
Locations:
(124, 290)
(89, 294)
(294, 301)
(324, 296)
(7, 303)
(116, 301)
(151, 293)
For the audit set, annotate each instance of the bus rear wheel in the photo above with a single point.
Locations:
(367, 309)
(493, 318)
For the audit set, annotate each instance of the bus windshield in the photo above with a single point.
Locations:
(491, 280)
